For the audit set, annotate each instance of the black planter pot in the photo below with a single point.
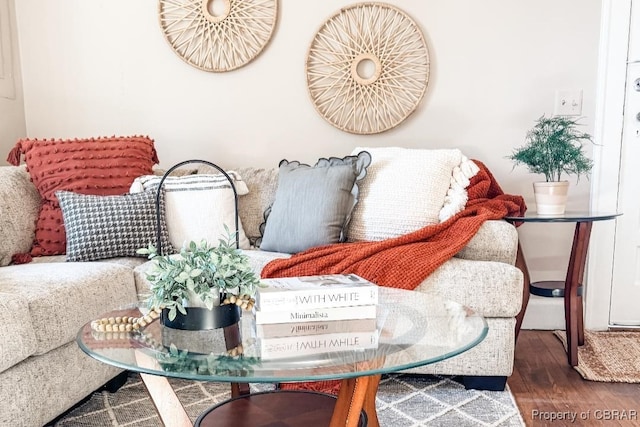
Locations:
(202, 318)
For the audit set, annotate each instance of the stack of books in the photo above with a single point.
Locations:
(315, 314)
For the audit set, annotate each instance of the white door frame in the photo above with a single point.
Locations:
(610, 95)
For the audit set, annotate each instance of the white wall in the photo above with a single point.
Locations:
(12, 122)
(103, 67)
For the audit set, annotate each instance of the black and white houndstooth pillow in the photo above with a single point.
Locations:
(99, 227)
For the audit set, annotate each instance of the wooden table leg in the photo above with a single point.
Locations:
(232, 339)
(167, 405)
(169, 408)
(580, 321)
(572, 302)
(370, 402)
(355, 395)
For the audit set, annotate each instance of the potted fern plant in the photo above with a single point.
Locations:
(554, 146)
(203, 287)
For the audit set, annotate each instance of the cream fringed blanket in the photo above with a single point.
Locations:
(393, 262)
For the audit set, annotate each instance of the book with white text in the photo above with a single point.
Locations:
(322, 291)
(274, 330)
(286, 347)
(315, 314)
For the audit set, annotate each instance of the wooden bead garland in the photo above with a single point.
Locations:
(129, 324)
(125, 323)
(243, 301)
(121, 327)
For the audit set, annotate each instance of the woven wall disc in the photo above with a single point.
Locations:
(367, 68)
(218, 35)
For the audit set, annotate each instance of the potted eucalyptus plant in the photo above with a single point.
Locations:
(203, 287)
(554, 146)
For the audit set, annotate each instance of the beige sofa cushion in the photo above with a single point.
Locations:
(131, 262)
(493, 356)
(18, 337)
(492, 289)
(64, 296)
(39, 389)
(19, 207)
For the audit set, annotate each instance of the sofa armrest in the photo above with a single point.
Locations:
(496, 240)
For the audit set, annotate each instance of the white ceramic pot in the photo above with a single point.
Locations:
(551, 197)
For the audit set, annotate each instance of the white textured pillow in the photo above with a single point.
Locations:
(404, 190)
(198, 206)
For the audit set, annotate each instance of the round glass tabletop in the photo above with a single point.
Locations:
(568, 216)
(411, 329)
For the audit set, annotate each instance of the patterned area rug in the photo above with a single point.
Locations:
(403, 400)
(608, 356)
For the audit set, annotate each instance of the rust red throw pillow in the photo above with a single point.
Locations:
(100, 166)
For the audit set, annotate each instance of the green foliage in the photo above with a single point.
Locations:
(553, 147)
(176, 360)
(198, 268)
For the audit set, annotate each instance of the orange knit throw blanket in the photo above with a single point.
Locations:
(405, 261)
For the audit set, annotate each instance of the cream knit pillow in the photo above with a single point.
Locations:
(404, 190)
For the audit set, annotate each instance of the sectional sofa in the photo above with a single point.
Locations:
(43, 303)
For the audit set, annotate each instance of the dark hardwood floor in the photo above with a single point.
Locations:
(545, 386)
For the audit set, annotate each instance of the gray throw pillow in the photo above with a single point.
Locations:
(313, 205)
(99, 227)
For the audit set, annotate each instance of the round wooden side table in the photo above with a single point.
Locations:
(571, 288)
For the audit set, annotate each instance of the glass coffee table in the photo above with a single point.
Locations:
(413, 329)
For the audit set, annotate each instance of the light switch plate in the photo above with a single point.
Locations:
(568, 103)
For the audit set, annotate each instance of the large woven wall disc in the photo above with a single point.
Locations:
(218, 35)
(367, 68)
